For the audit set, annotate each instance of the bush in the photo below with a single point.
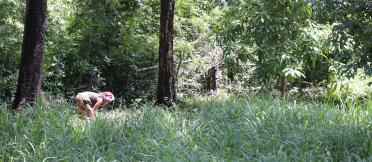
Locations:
(348, 90)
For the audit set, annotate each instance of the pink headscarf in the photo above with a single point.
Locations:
(107, 96)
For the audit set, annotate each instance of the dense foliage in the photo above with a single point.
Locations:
(267, 45)
(11, 27)
(352, 31)
(272, 34)
(295, 42)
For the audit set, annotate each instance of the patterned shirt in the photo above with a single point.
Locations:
(90, 97)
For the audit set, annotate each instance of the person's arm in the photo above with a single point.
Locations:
(91, 111)
(98, 104)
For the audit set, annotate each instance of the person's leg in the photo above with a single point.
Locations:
(80, 106)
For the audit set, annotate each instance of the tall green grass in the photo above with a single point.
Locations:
(224, 128)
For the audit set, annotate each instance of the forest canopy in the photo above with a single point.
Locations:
(262, 45)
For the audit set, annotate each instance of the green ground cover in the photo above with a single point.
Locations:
(223, 128)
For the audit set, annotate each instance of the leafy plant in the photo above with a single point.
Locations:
(274, 31)
(348, 90)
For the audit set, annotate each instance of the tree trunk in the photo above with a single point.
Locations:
(165, 90)
(211, 79)
(284, 86)
(29, 81)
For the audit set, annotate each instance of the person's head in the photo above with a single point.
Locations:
(107, 97)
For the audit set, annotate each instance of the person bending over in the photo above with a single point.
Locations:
(89, 102)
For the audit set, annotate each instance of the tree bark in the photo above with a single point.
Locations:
(212, 79)
(29, 81)
(284, 86)
(165, 89)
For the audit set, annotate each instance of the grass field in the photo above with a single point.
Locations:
(224, 128)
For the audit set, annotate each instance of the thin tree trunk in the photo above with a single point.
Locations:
(29, 81)
(284, 86)
(165, 90)
(212, 79)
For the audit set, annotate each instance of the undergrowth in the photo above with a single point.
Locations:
(223, 128)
